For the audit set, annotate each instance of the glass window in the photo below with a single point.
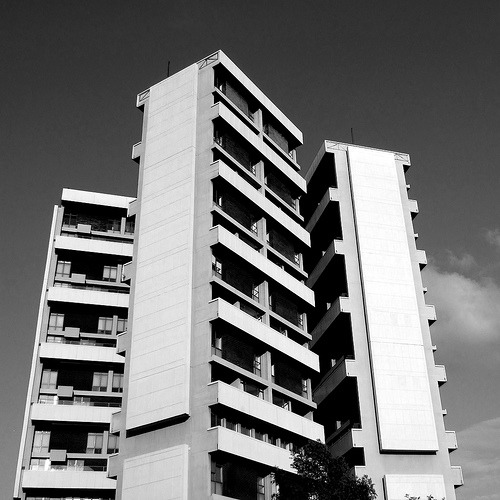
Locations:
(257, 365)
(113, 225)
(130, 226)
(117, 382)
(216, 343)
(49, 379)
(56, 322)
(94, 442)
(100, 382)
(215, 420)
(63, 269)
(113, 443)
(246, 430)
(70, 220)
(41, 442)
(76, 465)
(105, 325)
(216, 477)
(216, 266)
(109, 273)
(261, 488)
(121, 325)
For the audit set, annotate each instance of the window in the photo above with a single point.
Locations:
(105, 325)
(117, 382)
(76, 465)
(41, 442)
(253, 389)
(94, 442)
(47, 399)
(49, 379)
(216, 343)
(216, 266)
(100, 382)
(121, 325)
(56, 322)
(113, 444)
(255, 293)
(109, 273)
(257, 365)
(216, 478)
(39, 464)
(130, 226)
(215, 420)
(63, 269)
(254, 227)
(261, 488)
(246, 430)
(70, 220)
(305, 387)
(114, 225)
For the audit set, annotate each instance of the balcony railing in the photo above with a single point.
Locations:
(66, 402)
(68, 468)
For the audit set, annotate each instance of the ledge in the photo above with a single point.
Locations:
(266, 411)
(251, 449)
(67, 479)
(264, 333)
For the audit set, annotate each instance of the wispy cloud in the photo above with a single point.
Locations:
(464, 262)
(492, 236)
(467, 309)
(478, 455)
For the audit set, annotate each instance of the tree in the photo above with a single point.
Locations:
(321, 477)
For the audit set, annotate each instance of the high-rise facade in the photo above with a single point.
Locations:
(227, 355)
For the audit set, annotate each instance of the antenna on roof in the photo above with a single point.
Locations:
(168, 69)
(352, 136)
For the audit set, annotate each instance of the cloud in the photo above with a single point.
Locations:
(493, 237)
(478, 455)
(467, 309)
(464, 263)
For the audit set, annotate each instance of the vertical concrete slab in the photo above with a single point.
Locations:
(403, 401)
(160, 475)
(161, 329)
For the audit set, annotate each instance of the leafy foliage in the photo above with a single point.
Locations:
(321, 477)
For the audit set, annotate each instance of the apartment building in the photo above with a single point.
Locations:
(76, 380)
(378, 387)
(240, 323)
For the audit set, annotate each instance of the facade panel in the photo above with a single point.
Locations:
(401, 382)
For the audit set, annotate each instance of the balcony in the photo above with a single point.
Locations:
(124, 249)
(254, 196)
(264, 150)
(421, 257)
(86, 296)
(340, 306)
(251, 449)
(342, 369)
(413, 206)
(430, 314)
(116, 422)
(260, 263)
(59, 478)
(440, 372)
(79, 353)
(335, 248)
(457, 476)
(240, 401)
(64, 412)
(451, 440)
(263, 333)
(352, 438)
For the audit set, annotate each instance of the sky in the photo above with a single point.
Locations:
(418, 77)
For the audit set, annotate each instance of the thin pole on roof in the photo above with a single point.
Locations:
(168, 69)
(352, 136)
